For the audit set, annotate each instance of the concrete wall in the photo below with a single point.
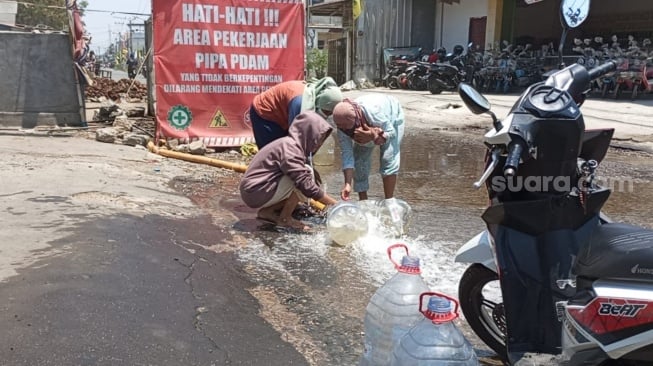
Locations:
(37, 83)
(452, 23)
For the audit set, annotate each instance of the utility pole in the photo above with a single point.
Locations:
(110, 35)
(133, 26)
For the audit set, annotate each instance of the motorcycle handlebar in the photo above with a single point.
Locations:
(602, 70)
(515, 150)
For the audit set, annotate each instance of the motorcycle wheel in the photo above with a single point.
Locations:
(633, 96)
(604, 90)
(434, 88)
(617, 91)
(506, 86)
(393, 82)
(485, 317)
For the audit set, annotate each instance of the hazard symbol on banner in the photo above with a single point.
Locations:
(219, 120)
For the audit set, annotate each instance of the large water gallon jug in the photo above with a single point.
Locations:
(326, 155)
(346, 222)
(435, 340)
(393, 309)
(394, 215)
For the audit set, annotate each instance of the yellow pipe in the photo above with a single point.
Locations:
(240, 168)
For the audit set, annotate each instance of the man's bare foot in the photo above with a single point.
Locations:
(293, 224)
(266, 214)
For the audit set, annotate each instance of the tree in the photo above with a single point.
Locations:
(316, 62)
(51, 13)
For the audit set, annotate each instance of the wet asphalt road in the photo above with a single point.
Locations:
(223, 289)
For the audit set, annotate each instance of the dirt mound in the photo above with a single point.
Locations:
(112, 89)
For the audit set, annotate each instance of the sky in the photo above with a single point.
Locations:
(100, 25)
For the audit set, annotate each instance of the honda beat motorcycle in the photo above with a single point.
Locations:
(572, 283)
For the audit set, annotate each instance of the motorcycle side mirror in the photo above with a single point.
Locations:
(474, 100)
(477, 103)
(572, 14)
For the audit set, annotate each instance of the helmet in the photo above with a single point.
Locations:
(442, 52)
(458, 50)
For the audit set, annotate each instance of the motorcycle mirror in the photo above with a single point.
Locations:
(474, 100)
(477, 103)
(574, 12)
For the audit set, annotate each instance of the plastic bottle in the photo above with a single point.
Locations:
(435, 340)
(393, 310)
(395, 215)
(326, 156)
(346, 222)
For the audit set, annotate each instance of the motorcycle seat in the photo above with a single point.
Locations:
(617, 251)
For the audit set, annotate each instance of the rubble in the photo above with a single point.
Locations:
(107, 135)
(107, 113)
(195, 148)
(135, 139)
(115, 90)
(122, 123)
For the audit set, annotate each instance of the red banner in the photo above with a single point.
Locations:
(211, 58)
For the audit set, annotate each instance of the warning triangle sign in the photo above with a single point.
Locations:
(218, 120)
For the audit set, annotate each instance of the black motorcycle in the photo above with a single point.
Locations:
(445, 76)
(392, 78)
(417, 75)
(573, 285)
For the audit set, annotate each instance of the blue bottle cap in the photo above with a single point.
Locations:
(439, 305)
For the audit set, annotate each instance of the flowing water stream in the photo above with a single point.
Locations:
(314, 292)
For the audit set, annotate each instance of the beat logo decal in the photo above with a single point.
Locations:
(626, 310)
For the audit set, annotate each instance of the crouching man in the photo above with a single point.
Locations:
(278, 177)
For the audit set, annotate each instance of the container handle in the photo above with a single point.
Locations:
(393, 247)
(453, 315)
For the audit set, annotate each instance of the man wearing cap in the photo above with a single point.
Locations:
(363, 123)
(273, 111)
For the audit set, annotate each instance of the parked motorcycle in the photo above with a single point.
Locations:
(643, 78)
(447, 76)
(633, 73)
(571, 282)
(397, 68)
(417, 75)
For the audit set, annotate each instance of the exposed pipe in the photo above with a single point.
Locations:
(240, 168)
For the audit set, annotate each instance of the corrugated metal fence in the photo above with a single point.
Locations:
(383, 23)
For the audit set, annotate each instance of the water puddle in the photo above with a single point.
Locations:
(326, 287)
